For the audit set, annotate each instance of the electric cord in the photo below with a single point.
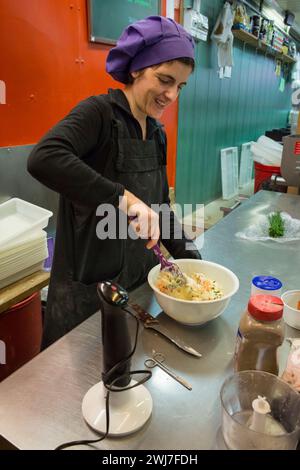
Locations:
(111, 388)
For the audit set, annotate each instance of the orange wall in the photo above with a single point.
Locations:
(49, 65)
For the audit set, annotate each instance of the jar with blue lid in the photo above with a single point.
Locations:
(266, 285)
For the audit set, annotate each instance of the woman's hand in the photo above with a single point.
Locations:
(144, 221)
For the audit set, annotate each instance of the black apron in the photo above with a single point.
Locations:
(81, 260)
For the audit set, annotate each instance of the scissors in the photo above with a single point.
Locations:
(157, 360)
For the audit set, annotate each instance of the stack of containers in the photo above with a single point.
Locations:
(23, 242)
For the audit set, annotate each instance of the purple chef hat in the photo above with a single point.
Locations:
(147, 42)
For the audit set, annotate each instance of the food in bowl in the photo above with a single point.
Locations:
(196, 312)
(197, 286)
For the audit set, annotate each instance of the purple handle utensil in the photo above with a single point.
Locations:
(165, 265)
(163, 261)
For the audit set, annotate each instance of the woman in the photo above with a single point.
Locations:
(110, 151)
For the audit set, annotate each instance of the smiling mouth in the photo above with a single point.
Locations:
(160, 104)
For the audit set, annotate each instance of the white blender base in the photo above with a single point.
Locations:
(129, 410)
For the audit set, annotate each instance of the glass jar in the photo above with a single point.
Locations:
(260, 333)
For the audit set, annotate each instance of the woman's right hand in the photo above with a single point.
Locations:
(144, 221)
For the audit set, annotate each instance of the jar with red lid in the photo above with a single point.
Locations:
(260, 333)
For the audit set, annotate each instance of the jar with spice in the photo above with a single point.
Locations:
(266, 285)
(260, 333)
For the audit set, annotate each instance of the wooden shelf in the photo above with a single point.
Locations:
(23, 288)
(252, 40)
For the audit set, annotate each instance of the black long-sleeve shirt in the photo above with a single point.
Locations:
(71, 157)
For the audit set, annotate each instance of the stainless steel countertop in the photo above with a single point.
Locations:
(40, 404)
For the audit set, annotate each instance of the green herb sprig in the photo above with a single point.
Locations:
(276, 227)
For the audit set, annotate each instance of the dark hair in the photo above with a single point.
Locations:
(183, 60)
(130, 79)
(186, 61)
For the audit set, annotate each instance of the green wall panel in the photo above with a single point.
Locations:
(214, 113)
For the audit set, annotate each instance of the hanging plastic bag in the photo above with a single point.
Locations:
(223, 37)
(260, 230)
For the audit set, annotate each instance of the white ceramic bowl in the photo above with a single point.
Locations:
(291, 314)
(194, 312)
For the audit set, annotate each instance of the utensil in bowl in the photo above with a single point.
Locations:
(196, 312)
(168, 266)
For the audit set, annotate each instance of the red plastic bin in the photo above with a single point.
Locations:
(20, 334)
(263, 173)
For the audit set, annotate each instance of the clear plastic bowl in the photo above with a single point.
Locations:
(237, 395)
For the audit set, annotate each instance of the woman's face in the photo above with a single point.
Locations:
(157, 87)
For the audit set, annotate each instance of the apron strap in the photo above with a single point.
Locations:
(162, 139)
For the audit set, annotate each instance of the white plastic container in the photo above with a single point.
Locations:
(19, 275)
(266, 285)
(19, 257)
(246, 165)
(19, 219)
(229, 172)
(291, 314)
